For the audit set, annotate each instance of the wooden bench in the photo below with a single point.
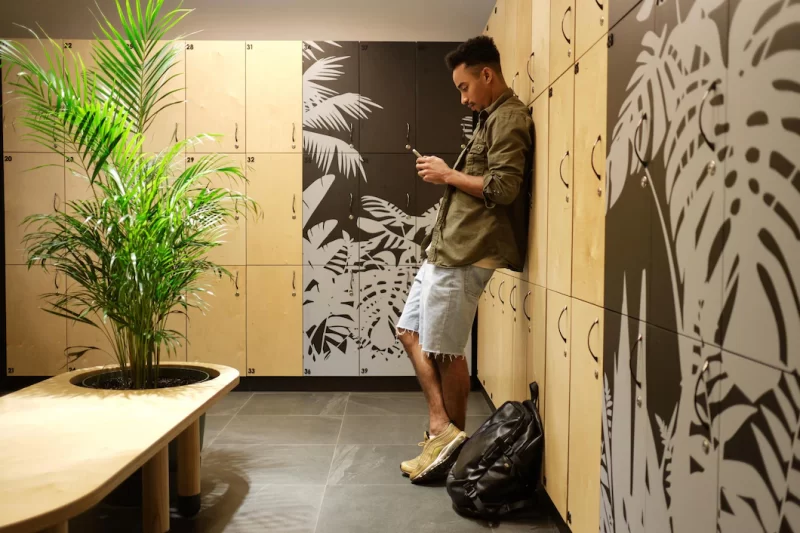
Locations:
(66, 447)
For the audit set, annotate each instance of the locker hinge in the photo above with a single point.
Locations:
(569, 517)
(610, 40)
(550, 92)
(577, 68)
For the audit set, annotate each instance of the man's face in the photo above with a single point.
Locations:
(474, 84)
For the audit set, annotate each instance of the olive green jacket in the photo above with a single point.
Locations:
(469, 229)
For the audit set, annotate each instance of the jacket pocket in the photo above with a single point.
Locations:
(477, 159)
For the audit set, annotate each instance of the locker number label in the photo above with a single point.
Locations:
(307, 371)
(8, 158)
(190, 47)
(70, 159)
(364, 370)
(190, 159)
(251, 370)
(249, 46)
(67, 46)
(10, 370)
(251, 159)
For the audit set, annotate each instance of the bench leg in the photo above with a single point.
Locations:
(155, 493)
(189, 470)
(58, 528)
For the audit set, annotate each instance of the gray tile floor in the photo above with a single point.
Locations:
(315, 462)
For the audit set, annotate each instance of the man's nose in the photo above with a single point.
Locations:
(464, 100)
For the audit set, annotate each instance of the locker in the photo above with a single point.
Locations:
(522, 51)
(485, 338)
(233, 249)
(215, 94)
(590, 24)
(169, 125)
(440, 116)
(330, 90)
(618, 9)
(536, 350)
(330, 299)
(274, 97)
(503, 330)
(562, 37)
(274, 320)
(15, 132)
(536, 262)
(521, 319)
(218, 334)
(538, 66)
(508, 43)
(29, 192)
(627, 245)
(557, 396)
(561, 187)
(35, 339)
(586, 405)
(387, 72)
(588, 232)
(275, 183)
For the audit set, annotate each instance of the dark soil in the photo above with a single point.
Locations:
(117, 383)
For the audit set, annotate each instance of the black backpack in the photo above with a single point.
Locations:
(499, 467)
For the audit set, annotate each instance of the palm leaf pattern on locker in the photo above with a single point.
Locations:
(753, 262)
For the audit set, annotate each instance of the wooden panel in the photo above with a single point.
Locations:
(560, 192)
(504, 317)
(562, 37)
(485, 335)
(35, 339)
(275, 181)
(522, 50)
(586, 406)
(520, 303)
(539, 65)
(13, 109)
(557, 409)
(274, 321)
(536, 350)
(218, 334)
(274, 96)
(29, 192)
(536, 262)
(588, 231)
(215, 93)
(591, 23)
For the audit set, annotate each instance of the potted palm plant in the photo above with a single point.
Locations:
(136, 251)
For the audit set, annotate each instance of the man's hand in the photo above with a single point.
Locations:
(433, 169)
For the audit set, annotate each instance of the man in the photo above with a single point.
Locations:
(481, 226)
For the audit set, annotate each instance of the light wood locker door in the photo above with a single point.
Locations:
(562, 37)
(520, 301)
(233, 249)
(218, 334)
(215, 94)
(15, 133)
(522, 51)
(591, 23)
(536, 348)
(492, 338)
(586, 407)
(536, 263)
(484, 335)
(35, 339)
(169, 126)
(29, 192)
(539, 59)
(508, 51)
(561, 187)
(274, 96)
(274, 321)
(589, 220)
(504, 333)
(557, 395)
(275, 181)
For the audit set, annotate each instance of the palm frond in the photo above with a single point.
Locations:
(324, 148)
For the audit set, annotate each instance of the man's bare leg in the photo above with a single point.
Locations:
(428, 377)
(454, 375)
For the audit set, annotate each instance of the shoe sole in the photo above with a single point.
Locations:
(443, 462)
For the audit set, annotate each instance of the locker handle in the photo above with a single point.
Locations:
(524, 304)
(351, 282)
(635, 134)
(513, 81)
(408, 201)
(596, 173)
(175, 133)
(236, 208)
(55, 281)
(491, 280)
(601, 6)
(569, 41)
(294, 279)
(630, 362)
(563, 338)
(351, 206)
(55, 201)
(236, 283)
(236, 133)
(588, 338)
(712, 87)
(561, 170)
(294, 201)
(408, 136)
(351, 135)
(528, 67)
(702, 377)
(511, 299)
(294, 130)
(500, 288)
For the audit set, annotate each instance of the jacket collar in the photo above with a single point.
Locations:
(508, 93)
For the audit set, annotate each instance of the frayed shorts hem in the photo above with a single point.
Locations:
(430, 354)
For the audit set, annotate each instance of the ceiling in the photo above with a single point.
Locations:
(342, 20)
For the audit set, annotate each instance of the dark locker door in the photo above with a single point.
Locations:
(627, 250)
(622, 8)
(387, 200)
(428, 196)
(441, 118)
(387, 79)
(331, 209)
(330, 95)
(687, 175)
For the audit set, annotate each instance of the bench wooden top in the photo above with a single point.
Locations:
(66, 447)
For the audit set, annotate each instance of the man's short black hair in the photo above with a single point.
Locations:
(478, 51)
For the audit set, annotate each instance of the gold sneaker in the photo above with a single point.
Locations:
(438, 455)
(408, 466)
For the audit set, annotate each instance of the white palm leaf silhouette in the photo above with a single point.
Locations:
(324, 149)
(311, 46)
(327, 115)
(391, 230)
(383, 295)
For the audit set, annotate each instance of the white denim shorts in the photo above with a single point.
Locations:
(441, 307)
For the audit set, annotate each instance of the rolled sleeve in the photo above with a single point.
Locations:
(509, 139)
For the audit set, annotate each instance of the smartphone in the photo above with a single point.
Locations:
(416, 153)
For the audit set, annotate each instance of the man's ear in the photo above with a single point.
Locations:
(487, 74)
